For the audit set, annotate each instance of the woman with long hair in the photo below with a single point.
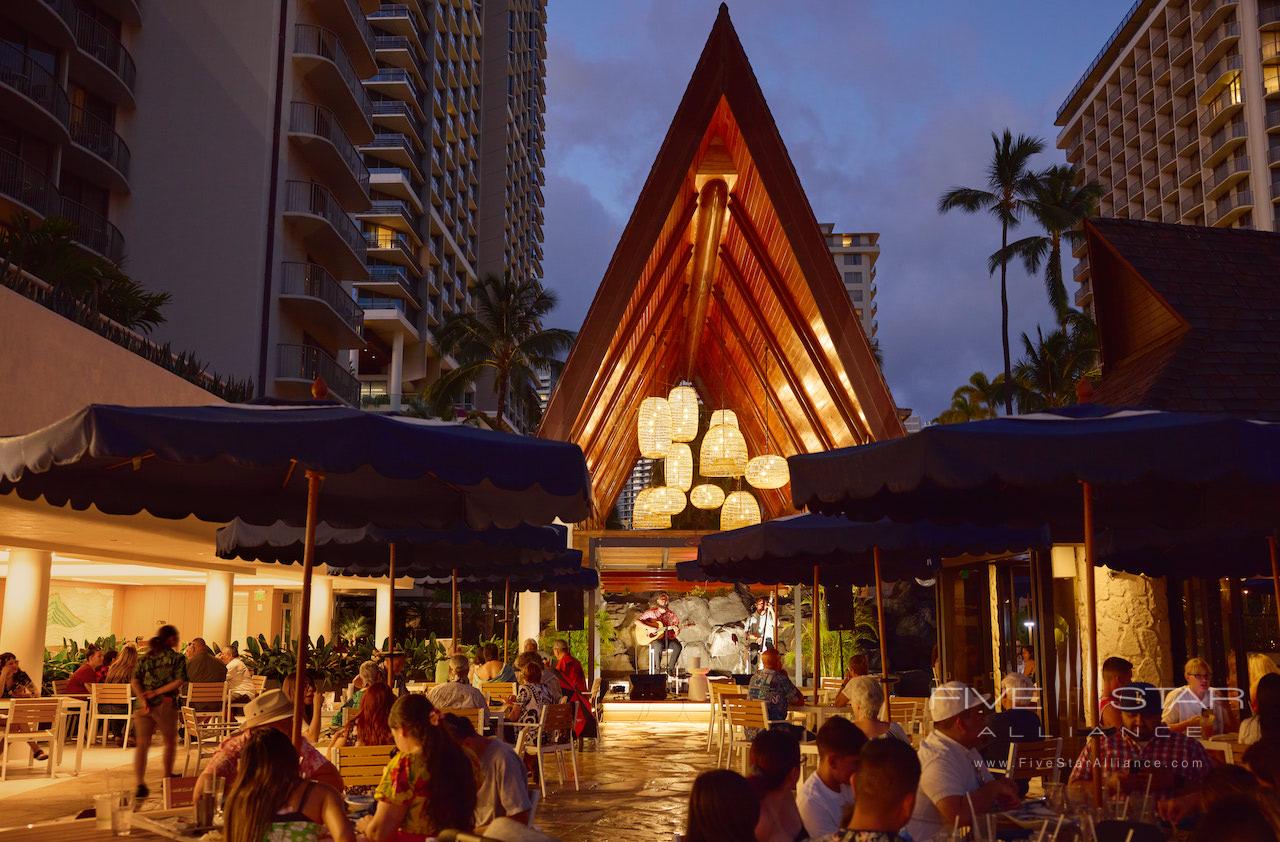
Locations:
(270, 802)
(311, 706)
(157, 679)
(722, 808)
(369, 723)
(121, 669)
(430, 786)
(1265, 721)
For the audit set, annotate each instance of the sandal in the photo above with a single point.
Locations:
(40, 755)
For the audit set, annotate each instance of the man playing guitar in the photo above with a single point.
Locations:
(760, 630)
(660, 625)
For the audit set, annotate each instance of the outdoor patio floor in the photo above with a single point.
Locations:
(635, 785)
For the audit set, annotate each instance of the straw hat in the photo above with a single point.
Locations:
(271, 706)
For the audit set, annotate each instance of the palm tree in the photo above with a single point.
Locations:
(962, 409)
(979, 398)
(1009, 182)
(1051, 366)
(1060, 201)
(504, 336)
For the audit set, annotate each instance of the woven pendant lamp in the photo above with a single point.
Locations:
(645, 514)
(706, 496)
(740, 509)
(683, 401)
(724, 416)
(723, 452)
(768, 471)
(677, 468)
(668, 501)
(653, 428)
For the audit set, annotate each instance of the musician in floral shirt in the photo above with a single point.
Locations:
(657, 616)
(886, 780)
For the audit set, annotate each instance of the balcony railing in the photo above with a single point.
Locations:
(392, 42)
(1223, 66)
(393, 207)
(379, 303)
(1210, 10)
(362, 22)
(387, 239)
(390, 140)
(1231, 131)
(394, 274)
(1231, 29)
(23, 182)
(1230, 167)
(309, 197)
(93, 231)
(20, 72)
(101, 43)
(388, 75)
(405, 172)
(1268, 14)
(96, 135)
(307, 118)
(314, 282)
(312, 40)
(1232, 202)
(1221, 103)
(307, 362)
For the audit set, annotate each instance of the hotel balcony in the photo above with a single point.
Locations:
(397, 182)
(392, 247)
(1227, 174)
(390, 282)
(322, 223)
(347, 20)
(123, 10)
(1216, 44)
(52, 21)
(1223, 141)
(1213, 12)
(297, 366)
(328, 311)
(96, 151)
(24, 189)
(315, 132)
(31, 97)
(396, 149)
(1230, 208)
(1220, 109)
(102, 63)
(399, 51)
(397, 84)
(323, 62)
(1222, 72)
(1273, 153)
(394, 214)
(386, 317)
(399, 117)
(92, 230)
(398, 19)
(1273, 116)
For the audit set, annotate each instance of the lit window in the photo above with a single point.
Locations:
(1234, 88)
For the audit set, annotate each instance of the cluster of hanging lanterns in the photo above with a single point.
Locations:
(664, 428)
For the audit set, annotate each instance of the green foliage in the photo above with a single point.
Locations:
(352, 626)
(577, 640)
(420, 657)
(58, 665)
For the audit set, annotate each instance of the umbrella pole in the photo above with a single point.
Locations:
(884, 644)
(506, 617)
(1275, 572)
(314, 478)
(817, 637)
(774, 607)
(453, 611)
(391, 615)
(1091, 608)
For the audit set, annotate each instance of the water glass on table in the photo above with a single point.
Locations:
(122, 813)
(102, 810)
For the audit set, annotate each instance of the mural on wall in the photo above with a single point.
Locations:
(78, 614)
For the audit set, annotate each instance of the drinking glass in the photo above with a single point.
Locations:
(102, 811)
(122, 813)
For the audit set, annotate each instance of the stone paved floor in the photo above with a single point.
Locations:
(635, 785)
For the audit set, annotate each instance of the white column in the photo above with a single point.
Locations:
(799, 630)
(381, 613)
(530, 617)
(26, 609)
(321, 606)
(217, 607)
(395, 380)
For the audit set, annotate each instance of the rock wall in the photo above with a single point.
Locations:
(1133, 622)
(712, 633)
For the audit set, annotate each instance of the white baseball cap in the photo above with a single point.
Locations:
(953, 698)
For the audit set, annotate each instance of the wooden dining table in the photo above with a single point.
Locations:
(87, 830)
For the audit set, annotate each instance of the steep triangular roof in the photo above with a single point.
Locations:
(761, 323)
(1188, 317)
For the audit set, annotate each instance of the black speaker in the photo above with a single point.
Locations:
(571, 613)
(839, 607)
(648, 688)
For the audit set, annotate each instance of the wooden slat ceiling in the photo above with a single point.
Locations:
(781, 344)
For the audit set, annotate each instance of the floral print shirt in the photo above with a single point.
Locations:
(157, 669)
(532, 698)
(862, 836)
(775, 688)
(404, 784)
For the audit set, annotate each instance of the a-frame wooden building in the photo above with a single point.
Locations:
(722, 278)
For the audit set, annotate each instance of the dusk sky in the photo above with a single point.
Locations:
(882, 105)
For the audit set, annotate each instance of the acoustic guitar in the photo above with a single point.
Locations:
(646, 633)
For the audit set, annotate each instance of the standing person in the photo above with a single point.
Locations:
(953, 775)
(157, 679)
(85, 674)
(824, 796)
(369, 726)
(760, 630)
(886, 780)
(239, 677)
(202, 666)
(1116, 673)
(858, 667)
(663, 637)
(457, 693)
(1196, 705)
(269, 800)
(504, 787)
(429, 786)
(774, 687)
(775, 768)
(722, 808)
(1265, 721)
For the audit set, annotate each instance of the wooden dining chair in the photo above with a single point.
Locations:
(363, 765)
(208, 699)
(743, 716)
(498, 691)
(120, 695)
(476, 715)
(554, 735)
(203, 736)
(30, 721)
(721, 717)
(1034, 759)
(60, 686)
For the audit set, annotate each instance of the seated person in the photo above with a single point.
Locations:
(775, 768)
(550, 680)
(722, 808)
(1116, 673)
(1143, 749)
(504, 787)
(202, 666)
(531, 694)
(85, 674)
(866, 700)
(493, 667)
(1265, 721)
(429, 786)
(1196, 707)
(774, 686)
(857, 668)
(370, 673)
(1018, 722)
(1263, 760)
(270, 710)
(457, 693)
(368, 726)
(886, 780)
(953, 775)
(312, 708)
(16, 684)
(824, 796)
(240, 684)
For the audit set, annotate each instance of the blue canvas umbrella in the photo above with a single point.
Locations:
(218, 463)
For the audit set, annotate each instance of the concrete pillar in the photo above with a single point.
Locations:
(381, 613)
(217, 607)
(26, 609)
(321, 606)
(529, 616)
(395, 380)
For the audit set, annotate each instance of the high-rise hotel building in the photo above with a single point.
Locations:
(1177, 116)
(855, 255)
(303, 176)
